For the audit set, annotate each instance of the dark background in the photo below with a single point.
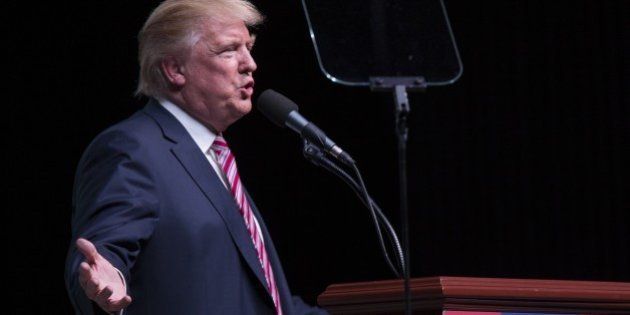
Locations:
(517, 170)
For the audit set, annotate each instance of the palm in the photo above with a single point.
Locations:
(108, 276)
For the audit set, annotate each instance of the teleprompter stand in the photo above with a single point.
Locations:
(399, 86)
(396, 46)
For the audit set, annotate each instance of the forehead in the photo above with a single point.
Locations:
(221, 32)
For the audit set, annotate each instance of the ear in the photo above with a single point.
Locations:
(173, 69)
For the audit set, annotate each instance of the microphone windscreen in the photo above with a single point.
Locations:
(275, 106)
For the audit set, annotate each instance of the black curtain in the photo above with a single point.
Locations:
(516, 170)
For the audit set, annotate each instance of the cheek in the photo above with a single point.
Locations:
(221, 79)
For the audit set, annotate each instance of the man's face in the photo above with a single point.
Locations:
(218, 75)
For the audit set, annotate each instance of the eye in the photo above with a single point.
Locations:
(228, 51)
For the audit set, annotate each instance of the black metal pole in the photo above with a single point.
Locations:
(402, 111)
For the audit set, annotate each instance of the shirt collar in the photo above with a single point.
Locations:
(202, 136)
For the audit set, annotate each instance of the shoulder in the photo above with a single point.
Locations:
(134, 139)
(132, 134)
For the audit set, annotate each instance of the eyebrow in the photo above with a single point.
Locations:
(216, 47)
(237, 41)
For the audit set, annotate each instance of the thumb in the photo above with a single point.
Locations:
(88, 250)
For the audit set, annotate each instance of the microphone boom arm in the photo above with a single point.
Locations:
(315, 155)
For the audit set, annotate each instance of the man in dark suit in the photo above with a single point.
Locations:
(159, 226)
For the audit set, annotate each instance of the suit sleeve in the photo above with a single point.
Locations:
(115, 207)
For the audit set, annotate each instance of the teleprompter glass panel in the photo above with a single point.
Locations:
(358, 39)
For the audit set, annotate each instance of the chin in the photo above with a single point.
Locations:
(244, 107)
(240, 109)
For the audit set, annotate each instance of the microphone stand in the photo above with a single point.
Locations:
(316, 156)
(399, 86)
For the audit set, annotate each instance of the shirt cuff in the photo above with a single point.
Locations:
(121, 312)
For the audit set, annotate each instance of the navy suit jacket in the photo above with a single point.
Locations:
(148, 199)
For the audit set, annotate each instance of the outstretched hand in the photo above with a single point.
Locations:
(100, 280)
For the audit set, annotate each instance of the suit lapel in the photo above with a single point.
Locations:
(198, 167)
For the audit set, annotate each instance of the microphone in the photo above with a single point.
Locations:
(284, 113)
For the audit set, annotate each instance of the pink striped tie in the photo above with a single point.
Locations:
(228, 165)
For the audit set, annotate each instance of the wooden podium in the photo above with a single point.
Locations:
(478, 296)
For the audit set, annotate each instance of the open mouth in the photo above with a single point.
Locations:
(249, 85)
(247, 90)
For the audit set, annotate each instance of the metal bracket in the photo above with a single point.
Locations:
(386, 84)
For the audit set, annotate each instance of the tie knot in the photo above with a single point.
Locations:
(220, 147)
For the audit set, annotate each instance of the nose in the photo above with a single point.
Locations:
(247, 63)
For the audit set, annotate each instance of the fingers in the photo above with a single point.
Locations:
(102, 297)
(117, 305)
(99, 293)
(106, 302)
(88, 281)
(88, 250)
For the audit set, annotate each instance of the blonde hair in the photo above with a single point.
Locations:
(174, 27)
